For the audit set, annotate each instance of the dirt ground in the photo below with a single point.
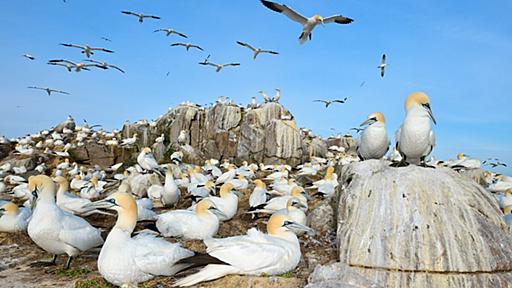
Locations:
(18, 253)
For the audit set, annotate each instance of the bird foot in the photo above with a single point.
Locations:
(399, 164)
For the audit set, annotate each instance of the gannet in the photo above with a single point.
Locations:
(105, 65)
(374, 141)
(29, 56)
(72, 65)
(382, 65)
(415, 138)
(147, 161)
(277, 96)
(506, 199)
(295, 210)
(227, 203)
(182, 139)
(256, 253)
(129, 141)
(282, 173)
(256, 51)
(329, 102)
(464, 162)
(199, 191)
(239, 183)
(308, 23)
(259, 194)
(202, 223)
(171, 194)
(266, 98)
(219, 67)
(226, 176)
(57, 231)
(86, 49)
(327, 185)
(187, 45)
(12, 218)
(145, 209)
(127, 261)
(277, 203)
(49, 91)
(212, 169)
(70, 202)
(169, 31)
(140, 16)
(91, 190)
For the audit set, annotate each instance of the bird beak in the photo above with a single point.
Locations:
(369, 121)
(218, 212)
(300, 205)
(100, 204)
(307, 196)
(431, 115)
(34, 200)
(2, 210)
(300, 228)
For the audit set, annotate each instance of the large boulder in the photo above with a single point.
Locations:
(420, 227)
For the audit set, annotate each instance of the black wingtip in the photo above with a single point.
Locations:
(272, 6)
(199, 260)
(257, 207)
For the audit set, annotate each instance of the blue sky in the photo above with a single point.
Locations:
(457, 52)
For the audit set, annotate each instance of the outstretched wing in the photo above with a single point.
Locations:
(269, 51)
(246, 45)
(383, 60)
(338, 19)
(285, 10)
(130, 13)
(180, 34)
(61, 61)
(72, 45)
(117, 68)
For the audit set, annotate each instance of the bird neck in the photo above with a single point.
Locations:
(126, 220)
(63, 187)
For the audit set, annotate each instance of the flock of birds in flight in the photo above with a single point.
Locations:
(308, 25)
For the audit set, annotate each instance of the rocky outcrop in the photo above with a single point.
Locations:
(264, 134)
(98, 154)
(419, 227)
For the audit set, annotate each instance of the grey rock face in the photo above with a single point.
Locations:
(421, 227)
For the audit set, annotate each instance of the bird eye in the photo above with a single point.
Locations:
(112, 200)
(426, 105)
(286, 223)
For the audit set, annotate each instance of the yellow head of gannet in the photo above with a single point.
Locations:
(461, 156)
(63, 182)
(146, 150)
(225, 189)
(125, 206)
(206, 205)
(508, 192)
(197, 169)
(94, 181)
(209, 184)
(295, 202)
(319, 19)
(281, 225)
(419, 100)
(41, 185)
(329, 172)
(260, 184)
(8, 208)
(373, 118)
(298, 191)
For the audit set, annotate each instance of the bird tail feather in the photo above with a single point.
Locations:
(210, 272)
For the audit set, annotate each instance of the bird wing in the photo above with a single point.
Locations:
(383, 60)
(103, 49)
(62, 92)
(156, 256)
(323, 101)
(150, 16)
(286, 11)
(78, 233)
(61, 60)
(72, 45)
(338, 19)
(178, 44)
(115, 67)
(246, 45)
(232, 64)
(250, 252)
(340, 101)
(93, 61)
(130, 13)
(180, 34)
(269, 51)
(196, 46)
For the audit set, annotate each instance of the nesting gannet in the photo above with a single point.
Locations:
(147, 161)
(49, 91)
(415, 138)
(29, 56)
(464, 162)
(277, 203)
(91, 190)
(200, 191)
(226, 176)
(327, 185)
(104, 65)
(278, 174)
(259, 194)
(308, 23)
(219, 67)
(12, 218)
(57, 231)
(169, 31)
(295, 210)
(374, 141)
(256, 253)
(256, 51)
(129, 141)
(227, 203)
(70, 202)
(239, 183)
(86, 49)
(382, 66)
(140, 16)
(127, 261)
(171, 194)
(202, 223)
(145, 209)
(329, 102)
(187, 45)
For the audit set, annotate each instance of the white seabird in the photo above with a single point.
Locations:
(86, 49)
(382, 66)
(374, 141)
(140, 16)
(256, 51)
(127, 261)
(54, 230)
(256, 253)
(169, 31)
(12, 218)
(308, 23)
(415, 138)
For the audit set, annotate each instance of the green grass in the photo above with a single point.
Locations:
(289, 274)
(91, 283)
(73, 272)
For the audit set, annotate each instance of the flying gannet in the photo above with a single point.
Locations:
(374, 141)
(104, 65)
(29, 56)
(169, 31)
(127, 261)
(72, 65)
(329, 102)
(140, 16)
(308, 23)
(187, 45)
(86, 49)
(256, 253)
(382, 66)
(256, 51)
(219, 67)
(49, 91)
(54, 230)
(415, 138)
